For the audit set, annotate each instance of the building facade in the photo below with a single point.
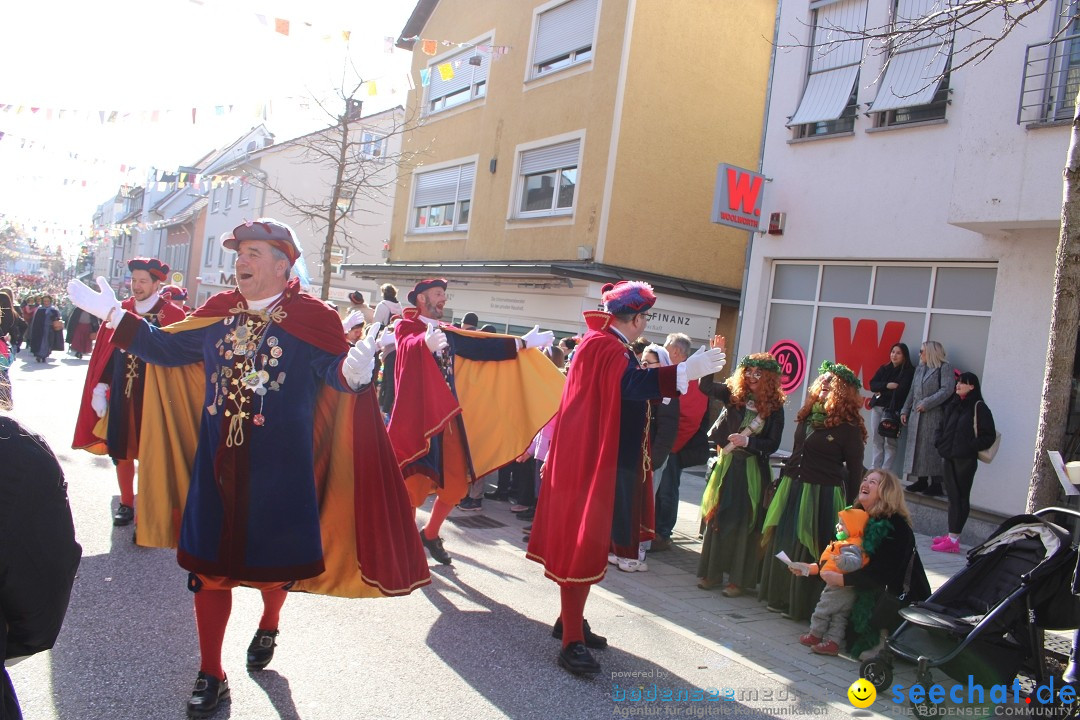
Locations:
(917, 203)
(564, 144)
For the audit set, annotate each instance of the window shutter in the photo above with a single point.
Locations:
(552, 157)
(564, 29)
(834, 62)
(465, 75)
(437, 187)
(442, 187)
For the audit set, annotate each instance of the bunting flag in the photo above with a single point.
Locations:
(429, 47)
(446, 72)
(281, 26)
(425, 77)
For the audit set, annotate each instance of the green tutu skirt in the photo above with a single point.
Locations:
(801, 521)
(732, 510)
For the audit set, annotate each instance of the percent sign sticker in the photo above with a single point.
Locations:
(792, 361)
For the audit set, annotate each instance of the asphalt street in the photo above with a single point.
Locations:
(475, 644)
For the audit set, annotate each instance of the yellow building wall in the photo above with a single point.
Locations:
(695, 97)
(508, 117)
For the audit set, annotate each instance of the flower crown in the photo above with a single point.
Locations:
(768, 364)
(841, 371)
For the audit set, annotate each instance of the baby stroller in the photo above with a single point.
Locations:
(987, 621)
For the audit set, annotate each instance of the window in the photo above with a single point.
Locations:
(915, 85)
(442, 199)
(829, 102)
(459, 78)
(209, 251)
(564, 36)
(338, 255)
(221, 256)
(228, 196)
(215, 200)
(372, 145)
(548, 178)
(245, 193)
(1052, 70)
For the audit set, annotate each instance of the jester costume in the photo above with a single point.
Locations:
(260, 463)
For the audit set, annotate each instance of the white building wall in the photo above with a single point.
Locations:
(976, 188)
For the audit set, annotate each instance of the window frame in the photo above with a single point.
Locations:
(517, 197)
(476, 90)
(580, 56)
(457, 225)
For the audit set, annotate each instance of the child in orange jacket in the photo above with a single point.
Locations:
(830, 618)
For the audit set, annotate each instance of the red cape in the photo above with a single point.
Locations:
(502, 403)
(85, 439)
(571, 533)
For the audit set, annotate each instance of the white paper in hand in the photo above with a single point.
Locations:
(803, 568)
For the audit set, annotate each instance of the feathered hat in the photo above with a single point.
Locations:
(627, 296)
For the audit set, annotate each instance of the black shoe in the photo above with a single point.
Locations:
(917, 486)
(496, 495)
(527, 514)
(123, 515)
(435, 549)
(208, 692)
(596, 642)
(261, 650)
(659, 544)
(577, 659)
(934, 491)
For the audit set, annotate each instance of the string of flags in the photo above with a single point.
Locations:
(447, 69)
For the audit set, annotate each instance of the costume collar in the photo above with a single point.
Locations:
(144, 306)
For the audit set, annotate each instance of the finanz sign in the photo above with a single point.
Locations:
(737, 197)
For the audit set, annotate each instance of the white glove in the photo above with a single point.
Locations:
(387, 340)
(704, 362)
(536, 339)
(100, 304)
(435, 339)
(98, 401)
(359, 364)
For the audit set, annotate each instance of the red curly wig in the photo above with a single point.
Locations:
(841, 406)
(769, 397)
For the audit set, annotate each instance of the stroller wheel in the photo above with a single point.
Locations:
(925, 708)
(878, 671)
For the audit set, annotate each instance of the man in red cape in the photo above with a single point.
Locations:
(273, 467)
(114, 384)
(596, 495)
(467, 403)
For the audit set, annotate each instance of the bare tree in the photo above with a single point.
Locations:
(972, 20)
(359, 173)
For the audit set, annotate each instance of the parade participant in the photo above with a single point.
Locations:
(45, 330)
(596, 491)
(177, 296)
(356, 299)
(353, 326)
(818, 480)
(268, 447)
(457, 416)
(747, 433)
(113, 388)
(81, 328)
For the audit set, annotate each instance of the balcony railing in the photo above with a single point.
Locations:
(1051, 79)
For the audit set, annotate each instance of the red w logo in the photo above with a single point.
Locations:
(743, 189)
(864, 353)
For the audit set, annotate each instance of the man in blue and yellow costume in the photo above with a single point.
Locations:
(270, 463)
(467, 403)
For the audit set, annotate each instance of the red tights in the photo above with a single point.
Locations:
(212, 610)
(573, 599)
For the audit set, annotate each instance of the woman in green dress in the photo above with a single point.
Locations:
(747, 432)
(819, 479)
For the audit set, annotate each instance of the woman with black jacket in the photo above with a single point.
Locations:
(894, 566)
(890, 385)
(958, 444)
